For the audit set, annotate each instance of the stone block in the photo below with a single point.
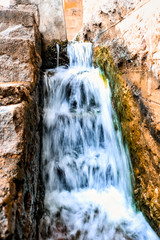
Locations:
(14, 17)
(28, 7)
(11, 129)
(16, 31)
(19, 168)
(11, 149)
(18, 61)
(20, 50)
(52, 22)
(19, 23)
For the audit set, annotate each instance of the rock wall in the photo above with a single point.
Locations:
(130, 29)
(116, 9)
(137, 131)
(28, 28)
(51, 18)
(20, 123)
(133, 42)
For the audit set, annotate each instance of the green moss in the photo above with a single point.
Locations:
(121, 96)
(123, 104)
(78, 38)
(133, 128)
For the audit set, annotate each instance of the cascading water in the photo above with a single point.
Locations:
(88, 192)
(57, 47)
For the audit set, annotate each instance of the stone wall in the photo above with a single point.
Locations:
(130, 29)
(20, 123)
(51, 18)
(140, 133)
(131, 32)
(132, 38)
(116, 9)
(28, 28)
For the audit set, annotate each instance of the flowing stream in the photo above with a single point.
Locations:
(87, 169)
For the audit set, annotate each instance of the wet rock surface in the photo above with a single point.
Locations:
(20, 123)
(13, 93)
(52, 53)
(130, 31)
(140, 128)
(146, 92)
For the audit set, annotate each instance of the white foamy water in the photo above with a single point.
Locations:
(57, 48)
(87, 169)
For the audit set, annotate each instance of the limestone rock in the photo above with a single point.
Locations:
(115, 9)
(10, 138)
(130, 29)
(52, 22)
(52, 26)
(14, 17)
(51, 54)
(20, 109)
(133, 41)
(15, 60)
(140, 128)
(5, 3)
(19, 169)
(11, 142)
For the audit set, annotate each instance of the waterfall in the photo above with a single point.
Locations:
(86, 168)
(57, 47)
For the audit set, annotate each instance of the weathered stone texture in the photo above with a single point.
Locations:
(9, 137)
(115, 9)
(51, 21)
(15, 58)
(20, 60)
(51, 54)
(131, 32)
(20, 46)
(146, 91)
(130, 29)
(140, 128)
(15, 17)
